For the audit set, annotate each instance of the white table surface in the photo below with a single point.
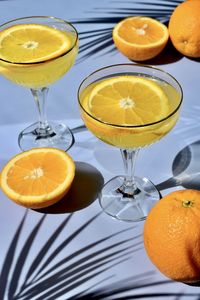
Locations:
(96, 162)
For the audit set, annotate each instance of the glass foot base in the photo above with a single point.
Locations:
(54, 136)
(127, 207)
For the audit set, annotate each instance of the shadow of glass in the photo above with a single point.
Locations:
(185, 169)
(88, 181)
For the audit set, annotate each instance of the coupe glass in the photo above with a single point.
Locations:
(128, 197)
(38, 76)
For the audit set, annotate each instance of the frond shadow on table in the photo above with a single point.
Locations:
(99, 41)
(49, 276)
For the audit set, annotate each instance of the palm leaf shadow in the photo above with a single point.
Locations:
(83, 266)
(132, 284)
(22, 258)
(45, 281)
(43, 256)
(39, 277)
(64, 244)
(38, 259)
(5, 272)
(83, 250)
(111, 287)
(99, 41)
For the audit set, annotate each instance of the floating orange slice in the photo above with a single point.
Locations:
(28, 43)
(127, 100)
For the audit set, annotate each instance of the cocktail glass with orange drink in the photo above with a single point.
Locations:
(34, 53)
(130, 107)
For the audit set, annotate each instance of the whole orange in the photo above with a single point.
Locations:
(172, 235)
(184, 25)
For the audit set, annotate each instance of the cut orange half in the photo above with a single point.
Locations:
(128, 100)
(28, 43)
(38, 178)
(140, 38)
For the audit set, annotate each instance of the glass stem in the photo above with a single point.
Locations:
(129, 158)
(40, 96)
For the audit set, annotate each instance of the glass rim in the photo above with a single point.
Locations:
(134, 65)
(41, 17)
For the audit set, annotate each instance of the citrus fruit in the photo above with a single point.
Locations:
(184, 27)
(38, 178)
(140, 38)
(28, 43)
(128, 100)
(172, 235)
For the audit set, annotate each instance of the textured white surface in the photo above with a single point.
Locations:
(155, 162)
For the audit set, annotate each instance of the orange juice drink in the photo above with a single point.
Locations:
(129, 111)
(34, 53)
(36, 71)
(129, 106)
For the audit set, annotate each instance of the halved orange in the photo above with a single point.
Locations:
(28, 43)
(140, 38)
(38, 178)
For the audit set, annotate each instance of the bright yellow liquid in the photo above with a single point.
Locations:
(131, 137)
(38, 75)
